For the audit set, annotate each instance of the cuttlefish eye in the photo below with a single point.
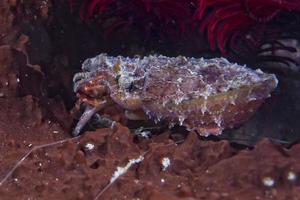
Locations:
(125, 82)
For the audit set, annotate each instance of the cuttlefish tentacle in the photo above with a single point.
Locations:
(86, 116)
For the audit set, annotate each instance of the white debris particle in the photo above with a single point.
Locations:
(291, 176)
(165, 162)
(18, 80)
(122, 170)
(142, 133)
(55, 131)
(268, 182)
(145, 134)
(89, 146)
(162, 180)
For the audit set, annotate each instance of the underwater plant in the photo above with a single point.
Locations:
(227, 20)
(242, 28)
(147, 15)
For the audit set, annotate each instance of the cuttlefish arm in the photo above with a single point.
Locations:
(89, 112)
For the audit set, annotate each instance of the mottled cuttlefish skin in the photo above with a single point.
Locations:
(205, 95)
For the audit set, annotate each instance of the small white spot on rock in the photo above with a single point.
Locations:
(165, 162)
(89, 146)
(162, 180)
(268, 181)
(291, 176)
(142, 133)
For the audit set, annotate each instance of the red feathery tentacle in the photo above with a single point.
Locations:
(116, 26)
(150, 15)
(235, 24)
(97, 6)
(218, 18)
(290, 5)
(225, 20)
(148, 5)
(261, 12)
(203, 5)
